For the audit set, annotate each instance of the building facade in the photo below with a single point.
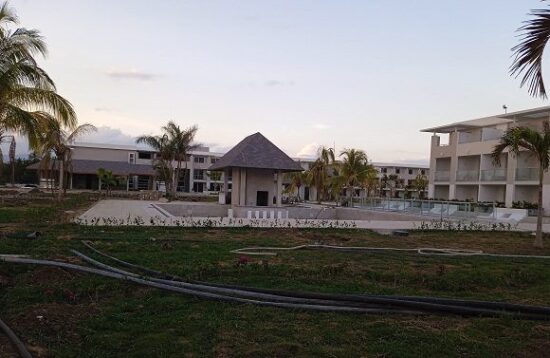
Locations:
(133, 165)
(462, 168)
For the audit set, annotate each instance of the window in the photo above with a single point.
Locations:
(198, 174)
(215, 176)
(199, 160)
(145, 155)
(423, 172)
(397, 170)
(213, 160)
(131, 158)
(384, 170)
(410, 171)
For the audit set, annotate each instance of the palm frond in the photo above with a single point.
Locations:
(528, 54)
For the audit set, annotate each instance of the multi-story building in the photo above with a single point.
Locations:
(395, 179)
(133, 164)
(462, 168)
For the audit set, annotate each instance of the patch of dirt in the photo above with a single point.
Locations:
(52, 322)
(6, 348)
(48, 275)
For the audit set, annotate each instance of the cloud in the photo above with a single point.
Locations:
(274, 83)
(108, 135)
(321, 126)
(309, 150)
(102, 109)
(131, 74)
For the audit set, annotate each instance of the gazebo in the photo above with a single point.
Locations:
(256, 168)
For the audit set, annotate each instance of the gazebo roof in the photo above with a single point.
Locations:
(256, 151)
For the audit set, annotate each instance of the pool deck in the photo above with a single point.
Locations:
(148, 213)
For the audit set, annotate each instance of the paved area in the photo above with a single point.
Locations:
(147, 213)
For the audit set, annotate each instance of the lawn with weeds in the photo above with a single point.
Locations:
(60, 313)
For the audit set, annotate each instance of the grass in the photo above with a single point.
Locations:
(64, 314)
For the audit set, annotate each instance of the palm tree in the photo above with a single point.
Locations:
(420, 183)
(55, 139)
(537, 143)
(5, 138)
(107, 178)
(354, 169)
(318, 173)
(181, 143)
(297, 180)
(371, 182)
(162, 160)
(27, 93)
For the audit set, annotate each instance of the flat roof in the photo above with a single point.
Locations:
(533, 113)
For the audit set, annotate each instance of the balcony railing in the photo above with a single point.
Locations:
(441, 176)
(467, 175)
(527, 174)
(493, 175)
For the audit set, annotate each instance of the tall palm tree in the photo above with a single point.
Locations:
(354, 169)
(56, 139)
(27, 93)
(182, 143)
(164, 154)
(537, 143)
(318, 173)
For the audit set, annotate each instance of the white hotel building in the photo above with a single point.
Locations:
(461, 166)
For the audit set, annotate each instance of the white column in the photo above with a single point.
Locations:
(242, 188)
(225, 185)
(279, 188)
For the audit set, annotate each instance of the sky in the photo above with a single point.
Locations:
(365, 74)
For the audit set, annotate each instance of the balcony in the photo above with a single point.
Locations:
(441, 176)
(527, 174)
(467, 175)
(493, 175)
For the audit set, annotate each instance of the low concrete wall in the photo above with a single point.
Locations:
(196, 210)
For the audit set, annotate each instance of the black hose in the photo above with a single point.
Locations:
(200, 294)
(23, 352)
(344, 300)
(224, 291)
(351, 298)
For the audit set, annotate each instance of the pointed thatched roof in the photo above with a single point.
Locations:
(256, 151)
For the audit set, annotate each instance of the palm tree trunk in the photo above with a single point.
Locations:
(176, 179)
(61, 178)
(538, 238)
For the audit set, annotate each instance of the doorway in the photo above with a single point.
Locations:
(306, 193)
(261, 198)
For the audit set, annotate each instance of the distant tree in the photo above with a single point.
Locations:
(297, 180)
(56, 139)
(420, 183)
(536, 143)
(354, 169)
(182, 142)
(107, 179)
(162, 161)
(318, 173)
